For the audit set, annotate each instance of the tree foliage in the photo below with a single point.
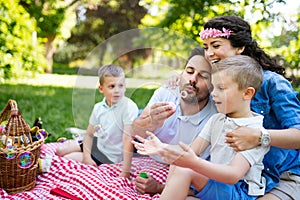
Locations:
(51, 17)
(20, 52)
(287, 44)
(98, 22)
(189, 16)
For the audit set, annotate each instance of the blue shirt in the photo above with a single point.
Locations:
(279, 104)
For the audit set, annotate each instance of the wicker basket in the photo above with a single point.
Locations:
(19, 151)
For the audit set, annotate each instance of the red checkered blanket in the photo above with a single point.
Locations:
(88, 182)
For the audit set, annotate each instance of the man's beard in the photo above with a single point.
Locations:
(192, 97)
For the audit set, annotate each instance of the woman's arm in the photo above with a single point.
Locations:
(286, 138)
(243, 138)
(281, 117)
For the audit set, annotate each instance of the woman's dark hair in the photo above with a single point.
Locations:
(240, 37)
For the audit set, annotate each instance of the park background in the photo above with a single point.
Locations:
(51, 49)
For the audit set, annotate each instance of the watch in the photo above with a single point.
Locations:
(265, 138)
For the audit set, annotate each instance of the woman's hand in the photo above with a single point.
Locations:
(243, 138)
(173, 81)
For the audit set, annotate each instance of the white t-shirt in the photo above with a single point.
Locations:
(112, 120)
(214, 132)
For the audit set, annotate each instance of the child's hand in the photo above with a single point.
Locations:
(169, 153)
(148, 147)
(88, 161)
(181, 157)
(124, 174)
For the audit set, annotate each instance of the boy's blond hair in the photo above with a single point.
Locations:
(244, 70)
(109, 70)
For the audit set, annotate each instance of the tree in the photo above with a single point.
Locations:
(54, 19)
(20, 52)
(287, 47)
(188, 16)
(96, 23)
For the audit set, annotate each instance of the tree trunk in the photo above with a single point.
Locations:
(50, 49)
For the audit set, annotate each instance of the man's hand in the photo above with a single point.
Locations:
(152, 117)
(159, 112)
(243, 138)
(148, 185)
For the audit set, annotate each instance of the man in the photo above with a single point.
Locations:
(182, 121)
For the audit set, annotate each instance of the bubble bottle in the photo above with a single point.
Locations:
(99, 132)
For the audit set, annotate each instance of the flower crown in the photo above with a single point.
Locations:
(214, 33)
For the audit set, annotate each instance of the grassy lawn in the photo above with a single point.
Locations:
(55, 105)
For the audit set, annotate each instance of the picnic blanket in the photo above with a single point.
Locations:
(88, 182)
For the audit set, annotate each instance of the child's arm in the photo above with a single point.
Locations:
(182, 159)
(87, 146)
(169, 153)
(186, 157)
(127, 151)
(199, 145)
(229, 174)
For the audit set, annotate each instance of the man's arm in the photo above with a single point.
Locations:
(142, 123)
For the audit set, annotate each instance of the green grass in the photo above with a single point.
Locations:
(59, 68)
(60, 107)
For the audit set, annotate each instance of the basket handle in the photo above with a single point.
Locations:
(13, 107)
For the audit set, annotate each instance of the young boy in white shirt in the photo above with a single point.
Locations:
(110, 124)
